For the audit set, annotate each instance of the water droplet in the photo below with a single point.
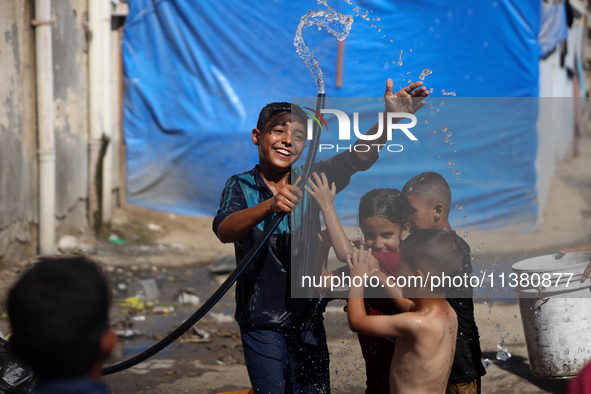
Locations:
(434, 131)
(379, 29)
(451, 163)
(466, 234)
(458, 179)
(426, 121)
(486, 363)
(503, 354)
(400, 58)
(364, 16)
(515, 317)
(460, 207)
(424, 73)
(448, 93)
(378, 19)
(443, 128)
(391, 40)
(465, 217)
(456, 172)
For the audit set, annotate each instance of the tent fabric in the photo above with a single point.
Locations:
(198, 73)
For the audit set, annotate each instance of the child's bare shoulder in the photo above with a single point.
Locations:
(433, 320)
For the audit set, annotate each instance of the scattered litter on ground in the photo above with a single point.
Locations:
(163, 309)
(146, 289)
(128, 333)
(188, 297)
(134, 304)
(197, 335)
(222, 317)
(116, 240)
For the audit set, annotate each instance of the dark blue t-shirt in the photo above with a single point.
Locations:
(264, 290)
(467, 365)
(72, 386)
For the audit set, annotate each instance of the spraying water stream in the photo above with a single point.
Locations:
(334, 22)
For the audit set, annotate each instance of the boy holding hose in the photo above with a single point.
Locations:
(283, 337)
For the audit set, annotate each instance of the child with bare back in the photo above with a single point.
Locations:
(384, 222)
(425, 335)
(429, 196)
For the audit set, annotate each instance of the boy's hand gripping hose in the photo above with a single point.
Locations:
(223, 289)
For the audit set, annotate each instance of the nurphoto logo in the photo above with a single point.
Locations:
(392, 123)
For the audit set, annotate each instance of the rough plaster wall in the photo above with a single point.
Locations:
(70, 60)
(18, 167)
(19, 203)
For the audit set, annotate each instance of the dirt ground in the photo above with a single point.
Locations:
(175, 251)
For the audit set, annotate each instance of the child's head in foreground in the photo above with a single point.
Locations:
(431, 252)
(58, 311)
(384, 219)
(430, 198)
(280, 135)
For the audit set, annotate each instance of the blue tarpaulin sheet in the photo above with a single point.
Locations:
(197, 74)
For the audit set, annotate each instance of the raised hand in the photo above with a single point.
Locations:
(320, 191)
(408, 99)
(359, 262)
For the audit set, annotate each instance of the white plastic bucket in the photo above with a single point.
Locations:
(557, 318)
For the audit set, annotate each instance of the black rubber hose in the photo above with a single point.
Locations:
(223, 289)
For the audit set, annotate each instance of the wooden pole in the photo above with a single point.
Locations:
(339, 76)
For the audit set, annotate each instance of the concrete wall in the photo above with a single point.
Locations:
(18, 140)
(18, 129)
(70, 57)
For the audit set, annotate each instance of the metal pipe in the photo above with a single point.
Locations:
(45, 128)
(99, 59)
(107, 108)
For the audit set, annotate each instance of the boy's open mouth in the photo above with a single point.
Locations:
(283, 152)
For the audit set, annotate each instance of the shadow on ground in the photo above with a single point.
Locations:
(519, 365)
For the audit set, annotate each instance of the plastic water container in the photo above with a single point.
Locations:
(556, 313)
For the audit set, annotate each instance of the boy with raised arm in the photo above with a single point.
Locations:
(429, 196)
(283, 337)
(425, 335)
